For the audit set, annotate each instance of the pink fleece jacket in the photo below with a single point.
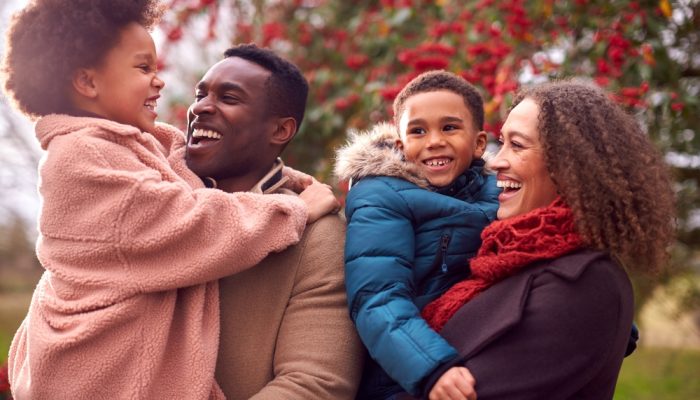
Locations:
(132, 244)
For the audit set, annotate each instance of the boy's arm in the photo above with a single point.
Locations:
(379, 255)
(318, 354)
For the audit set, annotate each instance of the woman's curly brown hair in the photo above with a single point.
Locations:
(607, 170)
(51, 39)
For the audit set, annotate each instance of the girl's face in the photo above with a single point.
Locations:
(520, 165)
(125, 83)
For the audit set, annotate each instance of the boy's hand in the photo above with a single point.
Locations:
(455, 384)
(298, 181)
(320, 200)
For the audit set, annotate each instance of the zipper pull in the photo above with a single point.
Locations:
(443, 247)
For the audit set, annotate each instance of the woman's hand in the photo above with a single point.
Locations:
(320, 200)
(455, 384)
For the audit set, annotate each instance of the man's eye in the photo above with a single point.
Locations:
(199, 96)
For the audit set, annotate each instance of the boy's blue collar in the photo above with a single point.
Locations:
(467, 184)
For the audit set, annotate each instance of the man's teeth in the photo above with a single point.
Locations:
(437, 162)
(509, 184)
(205, 133)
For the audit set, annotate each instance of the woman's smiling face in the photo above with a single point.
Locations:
(520, 164)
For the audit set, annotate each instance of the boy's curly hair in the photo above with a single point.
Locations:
(608, 172)
(50, 39)
(432, 81)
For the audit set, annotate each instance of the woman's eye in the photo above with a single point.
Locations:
(516, 145)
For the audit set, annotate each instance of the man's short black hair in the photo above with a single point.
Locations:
(287, 89)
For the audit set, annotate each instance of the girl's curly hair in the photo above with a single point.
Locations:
(607, 170)
(50, 39)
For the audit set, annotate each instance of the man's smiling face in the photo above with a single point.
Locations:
(229, 128)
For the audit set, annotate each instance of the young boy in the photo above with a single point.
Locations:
(415, 214)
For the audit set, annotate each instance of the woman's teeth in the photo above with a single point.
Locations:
(205, 133)
(509, 184)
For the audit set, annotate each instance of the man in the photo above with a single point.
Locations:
(285, 330)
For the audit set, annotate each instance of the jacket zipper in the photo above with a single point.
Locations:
(444, 241)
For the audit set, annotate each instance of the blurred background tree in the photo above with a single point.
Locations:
(358, 55)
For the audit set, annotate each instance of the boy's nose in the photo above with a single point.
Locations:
(435, 138)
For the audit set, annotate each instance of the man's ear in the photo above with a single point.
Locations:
(286, 128)
(480, 148)
(84, 82)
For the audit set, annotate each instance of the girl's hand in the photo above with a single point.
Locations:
(320, 200)
(298, 181)
(455, 384)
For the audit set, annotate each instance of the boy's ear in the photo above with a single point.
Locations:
(286, 128)
(399, 144)
(84, 83)
(480, 148)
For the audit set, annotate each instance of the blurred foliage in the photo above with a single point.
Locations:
(357, 56)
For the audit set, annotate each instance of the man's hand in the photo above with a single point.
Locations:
(455, 384)
(320, 200)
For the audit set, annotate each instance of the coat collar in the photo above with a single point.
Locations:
(270, 183)
(501, 307)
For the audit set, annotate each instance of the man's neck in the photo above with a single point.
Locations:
(260, 182)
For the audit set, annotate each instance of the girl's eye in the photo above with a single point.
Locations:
(145, 68)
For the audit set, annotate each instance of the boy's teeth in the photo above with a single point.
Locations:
(437, 162)
(205, 133)
(509, 184)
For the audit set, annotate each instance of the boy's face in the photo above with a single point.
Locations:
(126, 86)
(438, 134)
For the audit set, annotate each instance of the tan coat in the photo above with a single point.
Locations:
(285, 329)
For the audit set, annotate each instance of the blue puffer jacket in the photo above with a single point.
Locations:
(405, 246)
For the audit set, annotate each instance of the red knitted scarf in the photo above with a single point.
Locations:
(507, 247)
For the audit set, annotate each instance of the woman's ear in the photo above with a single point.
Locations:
(83, 83)
(480, 147)
(285, 131)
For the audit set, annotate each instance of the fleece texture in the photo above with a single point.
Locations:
(133, 245)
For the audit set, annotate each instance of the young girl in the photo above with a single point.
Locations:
(131, 242)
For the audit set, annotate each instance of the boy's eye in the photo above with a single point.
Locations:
(449, 128)
(416, 131)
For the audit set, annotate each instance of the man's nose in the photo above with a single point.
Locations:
(202, 106)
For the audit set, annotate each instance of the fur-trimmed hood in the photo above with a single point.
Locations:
(374, 153)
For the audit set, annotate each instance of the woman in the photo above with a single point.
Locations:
(548, 310)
